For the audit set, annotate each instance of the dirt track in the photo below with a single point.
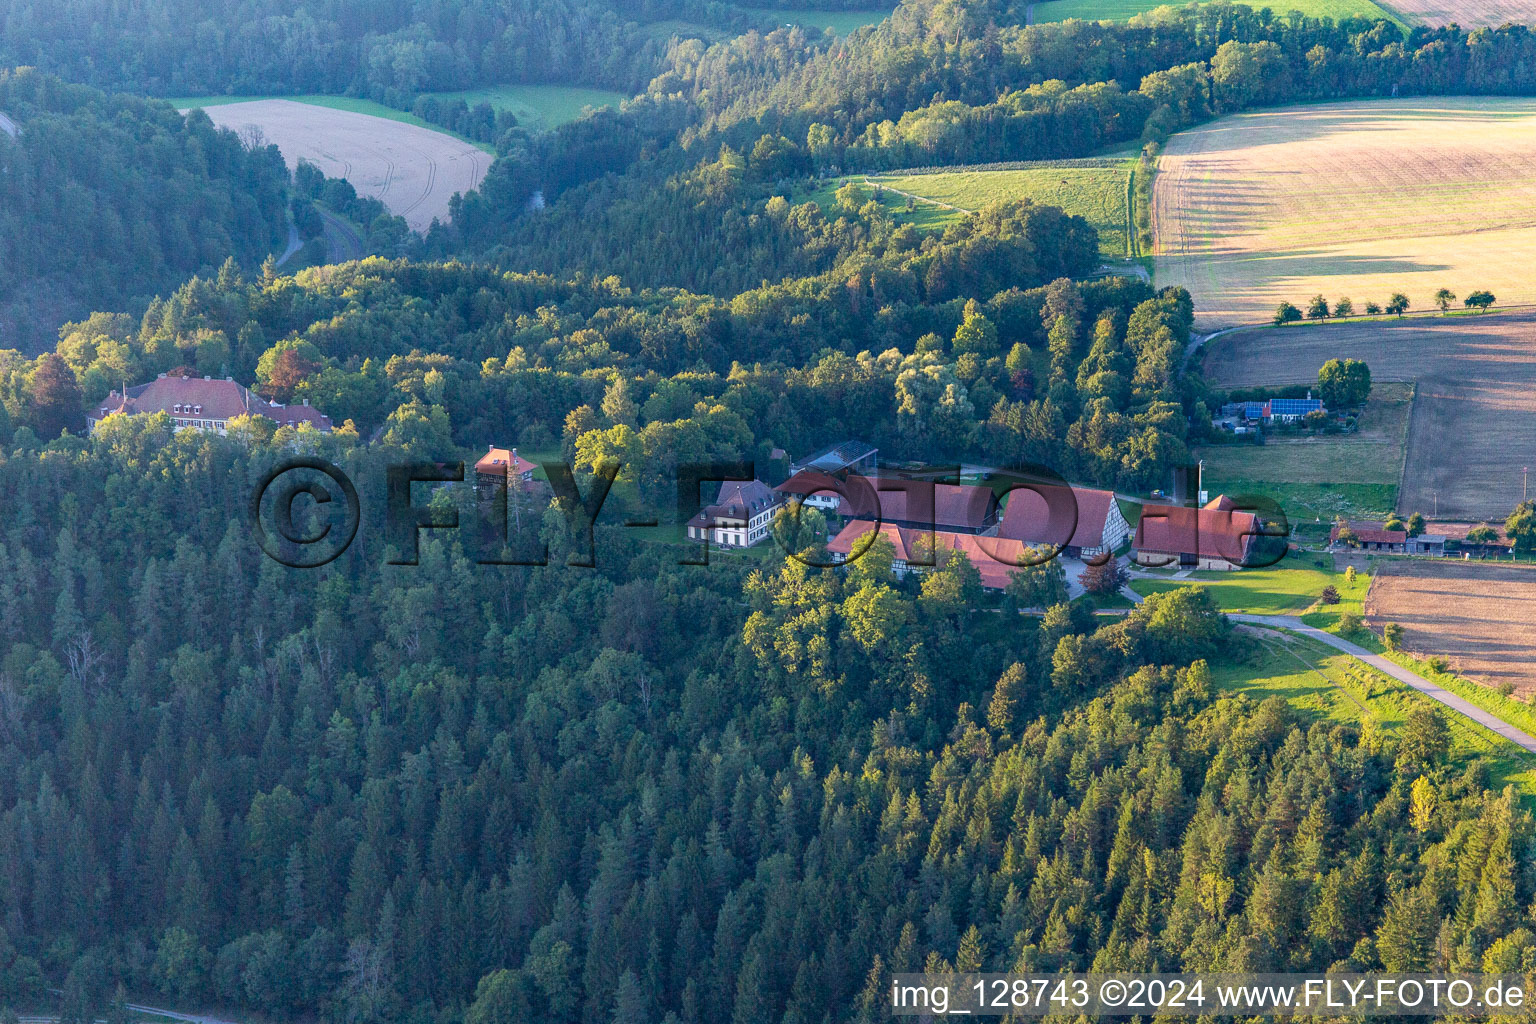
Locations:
(413, 171)
(1473, 425)
(1478, 615)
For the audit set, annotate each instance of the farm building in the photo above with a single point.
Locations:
(838, 458)
(909, 504)
(1432, 544)
(1045, 518)
(1217, 536)
(740, 517)
(994, 558)
(203, 403)
(1273, 410)
(1370, 537)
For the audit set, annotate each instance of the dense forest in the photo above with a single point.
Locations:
(442, 357)
(104, 199)
(648, 791)
(387, 51)
(746, 792)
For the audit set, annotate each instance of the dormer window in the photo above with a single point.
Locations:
(197, 410)
(176, 408)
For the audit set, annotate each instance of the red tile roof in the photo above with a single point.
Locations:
(1034, 518)
(1371, 533)
(491, 463)
(1215, 531)
(954, 505)
(994, 558)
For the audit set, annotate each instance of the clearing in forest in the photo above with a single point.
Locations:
(1096, 190)
(414, 171)
(1357, 200)
(539, 107)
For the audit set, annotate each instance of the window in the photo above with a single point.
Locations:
(176, 408)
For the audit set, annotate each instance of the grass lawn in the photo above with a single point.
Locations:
(1121, 10)
(1328, 685)
(1517, 713)
(1287, 589)
(840, 22)
(539, 106)
(348, 103)
(1097, 193)
(1354, 475)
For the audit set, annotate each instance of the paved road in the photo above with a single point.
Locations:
(8, 126)
(1431, 690)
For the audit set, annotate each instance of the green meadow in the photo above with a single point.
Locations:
(540, 106)
(1098, 192)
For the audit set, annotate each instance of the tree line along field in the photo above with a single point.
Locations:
(1322, 477)
(1359, 199)
(1124, 10)
(1098, 191)
(1474, 406)
(538, 107)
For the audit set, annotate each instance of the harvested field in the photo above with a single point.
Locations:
(1473, 424)
(1481, 617)
(1357, 199)
(1123, 10)
(414, 171)
(1491, 13)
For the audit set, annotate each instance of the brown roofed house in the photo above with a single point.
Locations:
(1044, 517)
(1372, 537)
(203, 403)
(1213, 537)
(961, 508)
(994, 558)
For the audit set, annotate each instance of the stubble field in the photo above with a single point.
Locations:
(1357, 199)
(1480, 617)
(1491, 13)
(414, 171)
(1473, 424)
(1123, 10)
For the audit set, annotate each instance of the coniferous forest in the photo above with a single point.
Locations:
(644, 791)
